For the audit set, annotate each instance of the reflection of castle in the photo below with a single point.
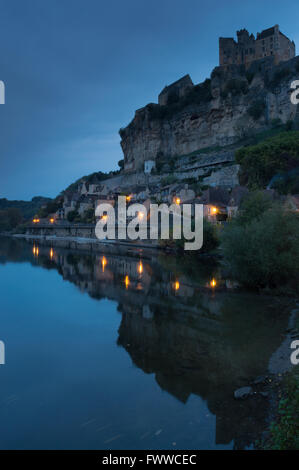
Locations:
(193, 340)
(195, 353)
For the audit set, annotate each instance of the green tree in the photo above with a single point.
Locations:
(263, 251)
(259, 163)
(10, 218)
(253, 206)
(72, 215)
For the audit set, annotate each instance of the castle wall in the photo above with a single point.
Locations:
(270, 42)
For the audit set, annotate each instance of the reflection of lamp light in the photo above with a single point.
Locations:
(127, 281)
(213, 283)
(140, 215)
(51, 253)
(104, 263)
(35, 250)
(178, 201)
(140, 267)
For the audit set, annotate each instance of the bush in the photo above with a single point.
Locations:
(284, 432)
(264, 252)
(235, 86)
(72, 215)
(278, 78)
(210, 240)
(259, 163)
(89, 216)
(253, 207)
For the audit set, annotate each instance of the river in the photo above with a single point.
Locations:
(128, 349)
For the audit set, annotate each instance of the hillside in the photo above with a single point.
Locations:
(232, 104)
(27, 208)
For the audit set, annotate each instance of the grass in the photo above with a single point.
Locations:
(284, 432)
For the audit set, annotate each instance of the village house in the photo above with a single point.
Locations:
(291, 202)
(236, 197)
(215, 201)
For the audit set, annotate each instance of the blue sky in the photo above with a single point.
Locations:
(76, 70)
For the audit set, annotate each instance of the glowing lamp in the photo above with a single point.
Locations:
(176, 285)
(140, 267)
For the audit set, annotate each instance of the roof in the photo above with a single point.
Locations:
(186, 79)
(217, 196)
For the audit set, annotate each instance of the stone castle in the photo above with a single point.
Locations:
(270, 42)
(188, 118)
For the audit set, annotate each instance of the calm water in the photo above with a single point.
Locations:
(127, 352)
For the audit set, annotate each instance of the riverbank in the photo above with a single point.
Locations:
(89, 240)
(281, 388)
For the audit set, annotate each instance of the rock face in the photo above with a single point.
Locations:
(233, 104)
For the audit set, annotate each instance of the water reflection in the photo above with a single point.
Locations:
(180, 322)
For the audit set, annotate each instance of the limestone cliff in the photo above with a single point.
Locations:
(230, 105)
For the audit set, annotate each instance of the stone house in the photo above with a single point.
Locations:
(176, 90)
(236, 197)
(215, 201)
(84, 206)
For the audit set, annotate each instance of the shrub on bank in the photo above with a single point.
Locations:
(210, 240)
(263, 251)
(284, 431)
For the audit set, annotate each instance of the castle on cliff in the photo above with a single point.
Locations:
(270, 42)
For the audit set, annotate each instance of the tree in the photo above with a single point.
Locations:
(259, 163)
(263, 251)
(72, 215)
(253, 206)
(10, 218)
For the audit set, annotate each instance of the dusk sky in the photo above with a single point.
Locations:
(75, 71)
